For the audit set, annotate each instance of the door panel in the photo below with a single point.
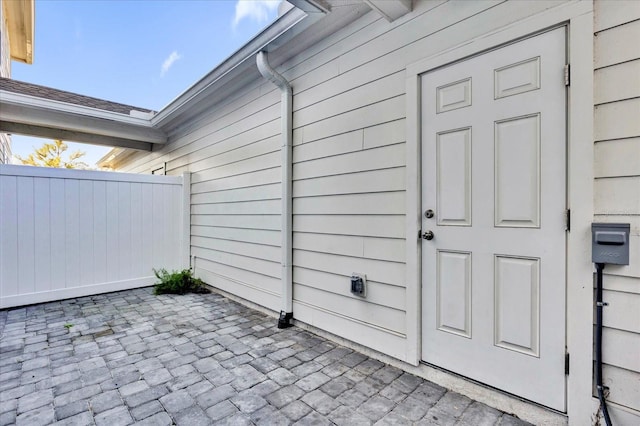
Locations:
(493, 171)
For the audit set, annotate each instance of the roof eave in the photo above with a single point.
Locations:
(21, 28)
(20, 110)
(274, 35)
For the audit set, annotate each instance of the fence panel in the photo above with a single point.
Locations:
(70, 233)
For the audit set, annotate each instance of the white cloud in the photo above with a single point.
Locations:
(171, 59)
(257, 10)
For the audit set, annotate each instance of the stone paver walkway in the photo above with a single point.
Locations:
(128, 357)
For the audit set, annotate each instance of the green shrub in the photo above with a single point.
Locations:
(178, 282)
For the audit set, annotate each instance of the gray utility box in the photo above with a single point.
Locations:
(610, 243)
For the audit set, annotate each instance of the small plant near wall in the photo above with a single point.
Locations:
(178, 282)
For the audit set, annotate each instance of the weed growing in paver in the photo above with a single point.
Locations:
(68, 326)
(178, 282)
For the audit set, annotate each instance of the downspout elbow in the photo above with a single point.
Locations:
(286, 314)
(272, 75)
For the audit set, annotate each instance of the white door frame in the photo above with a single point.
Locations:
(579, 281)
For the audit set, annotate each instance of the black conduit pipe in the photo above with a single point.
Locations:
(599, 306)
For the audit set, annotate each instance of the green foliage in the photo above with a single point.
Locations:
(51, 155)
(178, 282)
(68, 326)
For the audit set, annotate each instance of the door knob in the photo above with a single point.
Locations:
(427, 235)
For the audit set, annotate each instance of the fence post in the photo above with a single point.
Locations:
(186, 219)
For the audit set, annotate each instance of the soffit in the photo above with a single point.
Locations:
(20, 15)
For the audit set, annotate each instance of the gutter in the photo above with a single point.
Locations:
(286, 118)
(305, 14)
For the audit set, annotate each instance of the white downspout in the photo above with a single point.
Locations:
(286, 314)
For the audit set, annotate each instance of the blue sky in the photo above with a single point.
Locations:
(143, 53)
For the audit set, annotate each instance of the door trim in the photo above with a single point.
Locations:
(578, 17)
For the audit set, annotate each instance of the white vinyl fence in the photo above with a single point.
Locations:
(70, 233)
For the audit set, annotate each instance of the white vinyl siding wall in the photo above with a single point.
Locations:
(349, 171)
(617, 187)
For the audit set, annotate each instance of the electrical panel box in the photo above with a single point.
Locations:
(610, 243)
(359, 284)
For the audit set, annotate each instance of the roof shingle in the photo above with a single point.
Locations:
(49, 93)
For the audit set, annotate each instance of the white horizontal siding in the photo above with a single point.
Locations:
(617, 187)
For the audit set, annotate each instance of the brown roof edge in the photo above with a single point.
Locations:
(49, 93)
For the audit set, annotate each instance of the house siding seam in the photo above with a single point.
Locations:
(617, 190)
(5, 71)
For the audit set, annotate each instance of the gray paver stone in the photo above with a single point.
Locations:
(369, 366)
(262, 413)
(145, 410)
(92, 364)
(157, 377)
(82, 419)
(8, 418)
(133, 387)
(177, 401)
(77, 395)
(35, 363)
(158, 419)
(387, 374)
(248, 402)
(412, 408)
(296, 410)
(307, 368)
(105, 401)
(265, 388)
(10, 405)
(273, 419)
(34, 376)
(264, 365)
(237, 419)
(312, 381)
(478, 414)
(313, 419)
(335, 369)
(199, 388)
(118, 416)
(429, 392)
(205, 365)
(283, 377)
(407, 382)
(64, 411)
(192, 416)
(353, 359)
(184, 381)
(348, 416)
(285, 395)
(320, 402)
(40, 416)
(247, 376)
(146, 395)
(376, 408)
(393, 419)
(352, 398)
(336, 386)
(35, 400)
(221, 410)
(215, 396)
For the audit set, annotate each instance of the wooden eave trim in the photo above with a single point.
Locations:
(21, 27)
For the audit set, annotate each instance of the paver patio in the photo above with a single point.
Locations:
(130, 356)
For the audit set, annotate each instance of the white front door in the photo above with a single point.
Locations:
(493, 174)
